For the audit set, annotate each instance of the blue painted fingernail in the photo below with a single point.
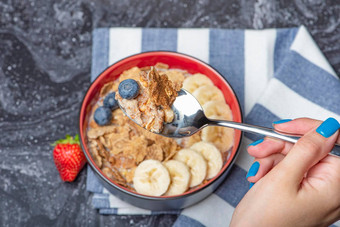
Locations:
(251, 184)
(256, 142)
(253, 169)
(281, 121)
(328, 127)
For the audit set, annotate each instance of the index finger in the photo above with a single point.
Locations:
(299, 126)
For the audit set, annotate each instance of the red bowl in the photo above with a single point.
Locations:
(178, 61)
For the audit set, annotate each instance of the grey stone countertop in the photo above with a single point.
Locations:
(45, 63)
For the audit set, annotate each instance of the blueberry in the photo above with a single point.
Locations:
(102, 115)
(110, 101)
(128, 89)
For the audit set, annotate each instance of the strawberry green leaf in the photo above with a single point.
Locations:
(68, 140)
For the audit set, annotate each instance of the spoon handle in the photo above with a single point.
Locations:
(264, 131)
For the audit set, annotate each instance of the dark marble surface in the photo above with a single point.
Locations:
(45, 59)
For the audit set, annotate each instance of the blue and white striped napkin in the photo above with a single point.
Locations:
(276, 73)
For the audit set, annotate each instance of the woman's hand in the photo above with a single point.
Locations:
(295, 185)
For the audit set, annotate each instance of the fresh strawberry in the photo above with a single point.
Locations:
(68, 157)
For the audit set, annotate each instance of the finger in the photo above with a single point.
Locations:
(268, 147)
(309, 150)
(266, 164)
(298, 126)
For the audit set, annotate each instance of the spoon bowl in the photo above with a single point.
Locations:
(188, 120)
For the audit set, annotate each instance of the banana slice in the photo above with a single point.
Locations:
(221, 137)
(195, 81)
(151, 178)
(180, 177)
(208, 93)
(196, 163)
(218, 108)
(212, 155)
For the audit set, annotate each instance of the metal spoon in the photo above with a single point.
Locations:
(190, 118)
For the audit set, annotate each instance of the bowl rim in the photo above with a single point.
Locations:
(136, 194)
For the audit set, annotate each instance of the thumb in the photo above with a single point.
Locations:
(309, 150)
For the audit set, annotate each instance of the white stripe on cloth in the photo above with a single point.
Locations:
(259, 64)
(306, 47)
(244, 160)
(124, 42)
(124, 207)
(194, 42)
(289, 104)
(217, 212)
(133, 211)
